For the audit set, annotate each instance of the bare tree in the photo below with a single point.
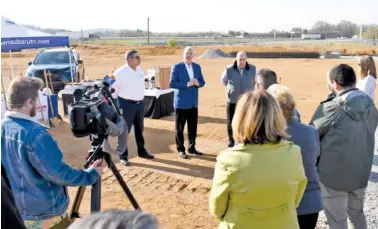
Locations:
(347, 28)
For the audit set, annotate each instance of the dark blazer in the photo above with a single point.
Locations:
(185, 97)
(307, 138)
(10, 216)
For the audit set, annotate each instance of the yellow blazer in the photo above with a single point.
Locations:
(258, 186)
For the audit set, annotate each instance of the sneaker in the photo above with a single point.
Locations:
(125, 162)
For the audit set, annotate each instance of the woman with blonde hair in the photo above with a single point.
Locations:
(259, 182)
(368, 75)
(307, 138)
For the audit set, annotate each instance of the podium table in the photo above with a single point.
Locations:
(158, 103)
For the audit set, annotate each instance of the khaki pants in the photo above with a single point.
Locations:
(339, 206)
(57, 222)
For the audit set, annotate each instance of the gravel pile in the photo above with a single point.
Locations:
(332, 55)
(213, 54)
(371, 197)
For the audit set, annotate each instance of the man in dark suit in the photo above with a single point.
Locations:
(10, 216)
(186, 78)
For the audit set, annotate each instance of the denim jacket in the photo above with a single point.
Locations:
(35, 168)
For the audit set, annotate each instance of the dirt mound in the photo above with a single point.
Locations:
(162, 51)
(213, 54)
(122, 49)
(18, 54)
(91, 47)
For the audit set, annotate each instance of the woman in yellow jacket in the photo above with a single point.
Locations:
(259, 183)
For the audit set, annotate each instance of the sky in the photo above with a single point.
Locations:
(188, 16)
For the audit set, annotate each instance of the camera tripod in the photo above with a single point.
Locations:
(97, 153)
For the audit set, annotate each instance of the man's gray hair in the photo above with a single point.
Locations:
(187, 48)
(117, 219)
(241, 54)
(130, 53)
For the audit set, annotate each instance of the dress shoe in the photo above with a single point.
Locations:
(195, 152)
(146, 155)
(125, 162)
(183, 155)
(231, 143)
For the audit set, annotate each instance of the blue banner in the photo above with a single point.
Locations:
(20, 43)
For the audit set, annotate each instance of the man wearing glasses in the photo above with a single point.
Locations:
(129, 88)
(238, 78)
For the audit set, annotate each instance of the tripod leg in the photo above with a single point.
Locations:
(96, 196)
(77, 202)
(122, 182)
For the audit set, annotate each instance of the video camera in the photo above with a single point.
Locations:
(96, 113)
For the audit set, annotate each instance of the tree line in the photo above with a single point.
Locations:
(342, 29)
(347, 29)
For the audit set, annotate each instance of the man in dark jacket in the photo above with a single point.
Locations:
(238, 78)
(346, 123)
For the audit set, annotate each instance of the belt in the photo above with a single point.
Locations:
(133, 101)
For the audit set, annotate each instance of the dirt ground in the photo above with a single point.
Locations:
(173, 189)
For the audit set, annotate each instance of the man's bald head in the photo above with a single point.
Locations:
(265, 78)
(241, 59)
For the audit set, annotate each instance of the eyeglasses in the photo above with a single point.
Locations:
(136, 57)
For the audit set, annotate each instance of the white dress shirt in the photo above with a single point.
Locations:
(367, 85)
(129, 83)
(189, 69)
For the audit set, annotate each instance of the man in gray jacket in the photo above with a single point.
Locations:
(346, 123)
(238, 78)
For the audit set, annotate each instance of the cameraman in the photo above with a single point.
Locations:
(34, 163)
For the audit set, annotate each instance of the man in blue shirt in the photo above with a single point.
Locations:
(33, 161)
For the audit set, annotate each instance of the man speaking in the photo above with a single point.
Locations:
(186, 78)
(238, 78)
(129, 88)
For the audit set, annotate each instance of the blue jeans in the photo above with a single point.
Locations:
(134, 116)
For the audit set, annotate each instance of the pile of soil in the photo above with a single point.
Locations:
(213, 54)
(332, 55)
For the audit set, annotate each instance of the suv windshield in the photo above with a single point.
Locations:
(52, 58)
